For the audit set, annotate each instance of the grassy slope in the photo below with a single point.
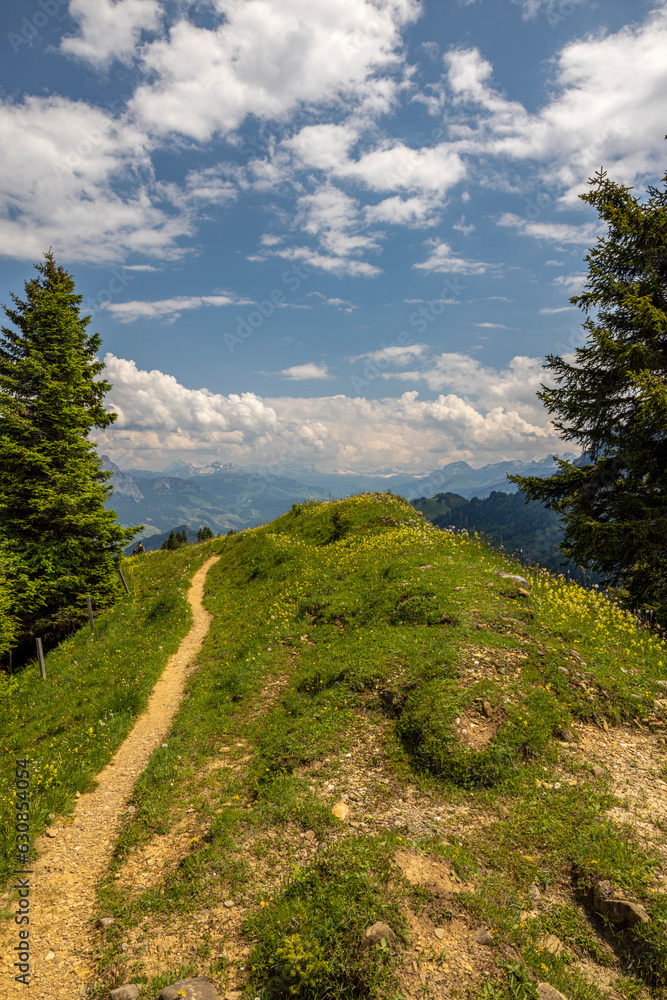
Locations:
(333, 601)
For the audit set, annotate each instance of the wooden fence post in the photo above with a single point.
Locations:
(122, 580)
(40, 654)
(90, 613)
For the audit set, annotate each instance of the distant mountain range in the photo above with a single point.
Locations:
(223, 496)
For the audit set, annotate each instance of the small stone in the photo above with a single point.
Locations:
(51, 831)
(547, 992)
(103, 922)
(340, 810)
(233, 994)
(77, 795)
(228, 903)
(439, 933)
(129, 992)
(487, 709)
(50, 955)
(534, 893)
(51, 816)
(197, 988)
(565, 671)
(484, 936)
(553, 945)
(598, 772)
(517, 579)
(374, 934)
(131, 810)
(567, 736)
(463, 588)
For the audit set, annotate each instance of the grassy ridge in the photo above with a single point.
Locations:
(327, 622)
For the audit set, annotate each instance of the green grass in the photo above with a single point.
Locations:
(314, 615)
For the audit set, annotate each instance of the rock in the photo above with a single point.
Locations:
(103, 922)
(662, 684)
(517, 579)
(598, 772)
(463, 588)
(194, 989)
(340, 810)
(484, 936)
(534, 893)
(233, 995)
(547, 992)
(522, 592)
(129, 992)
(565, 671)
(621, 912)
(422, 568)
(228, 903)
(567, 735)
(374, 934)
(553, 945)
(439, 933)
(131, 810)
(487, 710)
(77, 795)
(51, 831)
(624, 913)
(50, 955)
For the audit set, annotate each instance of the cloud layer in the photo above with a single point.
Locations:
(486, 415)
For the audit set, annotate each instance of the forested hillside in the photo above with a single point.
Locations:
(526, 529)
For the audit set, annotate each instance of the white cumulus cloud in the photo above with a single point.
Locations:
(109, 30)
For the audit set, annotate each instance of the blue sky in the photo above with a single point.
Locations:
(325, 233)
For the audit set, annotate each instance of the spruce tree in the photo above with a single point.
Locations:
(170, 543)
(59, 542)
(613, 401)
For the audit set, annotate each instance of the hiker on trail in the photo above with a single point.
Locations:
(139, 550)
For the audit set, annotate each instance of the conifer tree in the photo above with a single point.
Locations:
(613, 401)
(170, 543)
(204, 534)
(59, 542)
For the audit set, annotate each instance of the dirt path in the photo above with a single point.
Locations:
(70, 865)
